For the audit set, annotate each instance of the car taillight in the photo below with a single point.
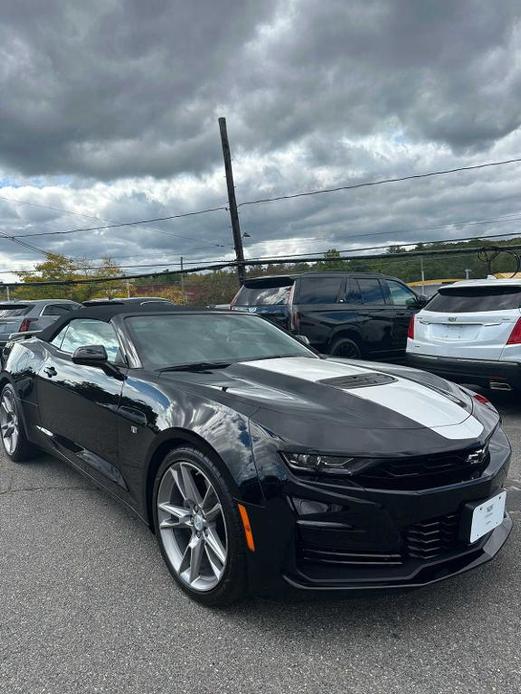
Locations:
(410, 331)
(24, 325)
(481, 398)
(515, 335)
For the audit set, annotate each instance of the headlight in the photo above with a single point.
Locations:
(329, 464)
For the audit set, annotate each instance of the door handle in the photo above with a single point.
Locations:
(133, 415)
(50, 371)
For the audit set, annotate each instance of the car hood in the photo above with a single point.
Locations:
(330, 404)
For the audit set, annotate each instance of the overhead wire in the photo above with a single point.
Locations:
(110, 224)
(351, 186)
(382, 181)
(19, 238)
(120, 225)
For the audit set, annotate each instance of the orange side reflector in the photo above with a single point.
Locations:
(247, 527)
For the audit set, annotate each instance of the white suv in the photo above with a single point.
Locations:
(471, 332)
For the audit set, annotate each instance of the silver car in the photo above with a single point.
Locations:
(31, 316)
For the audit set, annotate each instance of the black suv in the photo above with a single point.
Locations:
(345, 314)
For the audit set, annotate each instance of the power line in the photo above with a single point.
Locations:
(382, 181)
(121, 224)
(30, 246)
(353, 186)
(90, 216)
(251, 263)
(48, 207)
(303, 257)
(505, 218)
(267, 260)
(512, 216)
(498, 220)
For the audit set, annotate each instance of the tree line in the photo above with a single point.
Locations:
(219, 286)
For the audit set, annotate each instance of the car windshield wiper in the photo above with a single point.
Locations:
(198, 366)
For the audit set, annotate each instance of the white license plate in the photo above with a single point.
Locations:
(487, 516)
(455, 332)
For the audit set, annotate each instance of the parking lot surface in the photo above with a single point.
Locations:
(88, 606)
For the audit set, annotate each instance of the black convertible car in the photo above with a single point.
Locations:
(258, 463)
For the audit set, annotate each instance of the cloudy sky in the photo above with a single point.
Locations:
(109, 108)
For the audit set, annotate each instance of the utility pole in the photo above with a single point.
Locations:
(234, 215)
(422, 271)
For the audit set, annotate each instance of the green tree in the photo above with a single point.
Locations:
(60, 268)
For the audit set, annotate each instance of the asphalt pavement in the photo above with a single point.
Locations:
(86, 605)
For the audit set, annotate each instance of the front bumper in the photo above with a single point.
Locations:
(476, 371)
(318, 537)
(413, 575)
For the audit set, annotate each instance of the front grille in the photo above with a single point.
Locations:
(431, 538)
(423, 472)
(350, 559)
(424, 541)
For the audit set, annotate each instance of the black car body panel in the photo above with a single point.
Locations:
(373, 529)
(370, 309)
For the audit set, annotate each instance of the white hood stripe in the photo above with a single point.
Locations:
(408, 398)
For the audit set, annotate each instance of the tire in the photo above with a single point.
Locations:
(12, 431)
(346, 348)
(193, 543)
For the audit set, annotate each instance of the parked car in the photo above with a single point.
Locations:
(31, 316)
(471, 332)
(127, 300)
(260, 465)
(347, 315)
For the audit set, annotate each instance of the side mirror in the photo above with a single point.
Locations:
(304, 339)
(90, 355)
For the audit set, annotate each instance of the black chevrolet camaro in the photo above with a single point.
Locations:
(259, 464)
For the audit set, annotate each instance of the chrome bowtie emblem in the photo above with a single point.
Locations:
(476, 457)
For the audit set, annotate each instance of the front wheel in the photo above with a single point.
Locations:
(198, 528)
(14, 440)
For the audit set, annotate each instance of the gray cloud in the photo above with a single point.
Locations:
(109, 108)
(121, 87)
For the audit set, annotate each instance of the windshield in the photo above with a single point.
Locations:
(169, 340)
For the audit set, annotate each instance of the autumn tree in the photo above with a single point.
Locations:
(59, 268)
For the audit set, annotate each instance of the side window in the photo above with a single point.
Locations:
(86, 331)
(400, 295)
(371, 291)
(56, 309)
(58, 339)
(352, 292)
(319, 290)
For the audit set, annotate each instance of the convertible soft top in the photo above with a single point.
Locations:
(105, 312)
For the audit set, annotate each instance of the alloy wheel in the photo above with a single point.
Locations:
(347, 350)
(192, 526)
(9, 422)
